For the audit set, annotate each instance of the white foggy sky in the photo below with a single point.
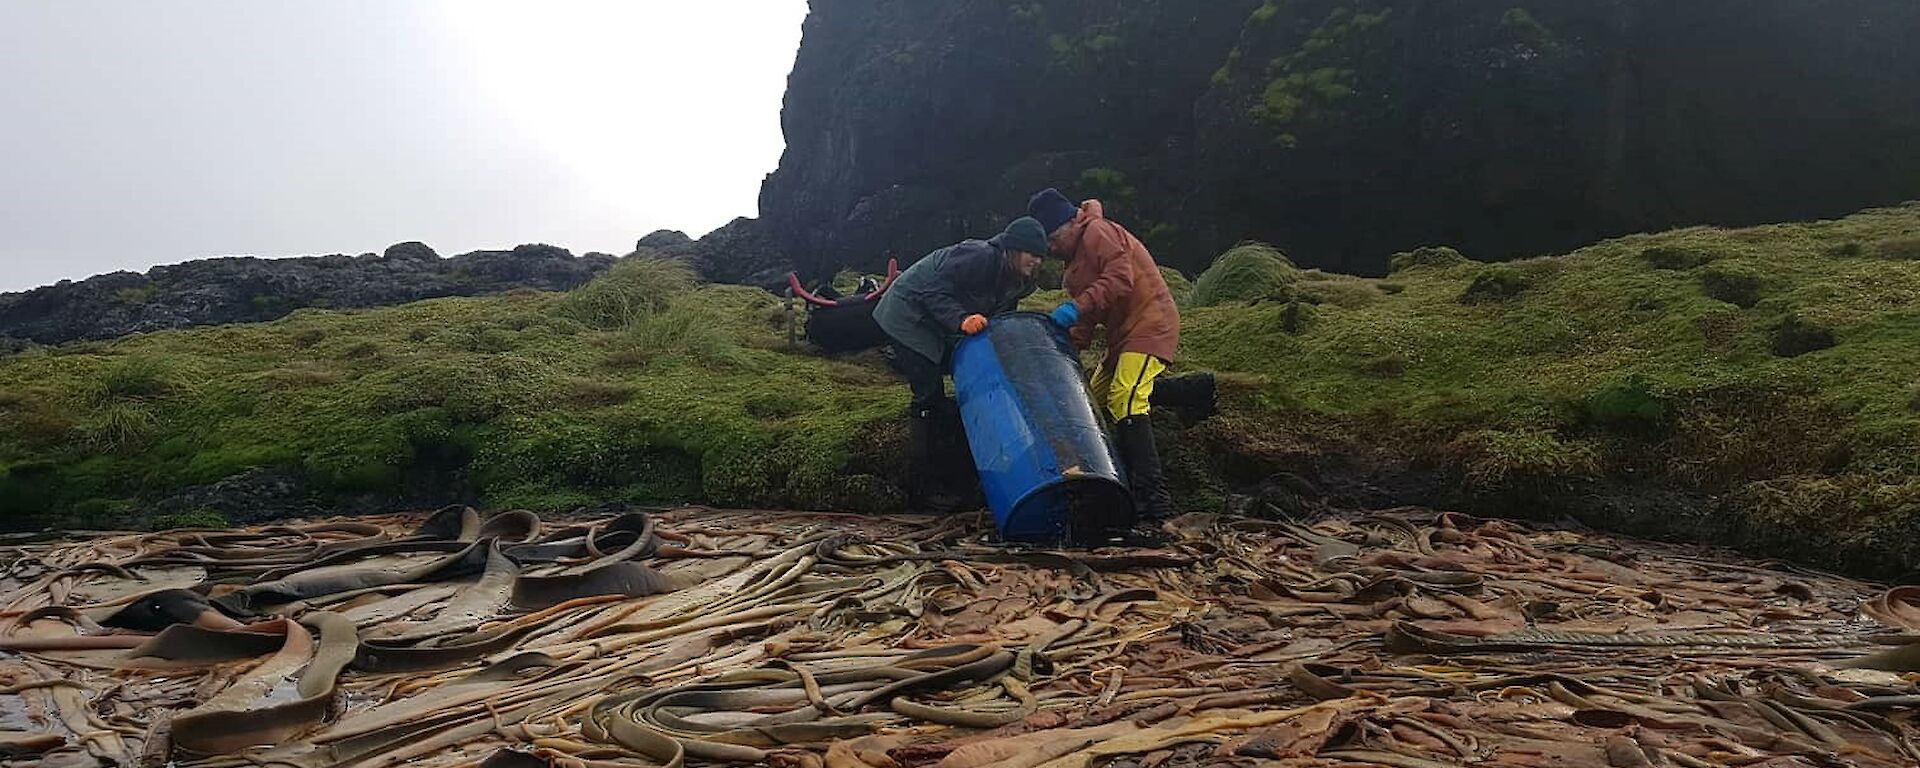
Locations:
(137, 132)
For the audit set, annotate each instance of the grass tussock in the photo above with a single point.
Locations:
(629, 292)
(1249, 272)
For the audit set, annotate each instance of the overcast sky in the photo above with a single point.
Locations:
(138, 133)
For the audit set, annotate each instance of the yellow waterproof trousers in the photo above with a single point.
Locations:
(1127, 386)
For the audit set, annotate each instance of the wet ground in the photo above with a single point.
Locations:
(1397, 638)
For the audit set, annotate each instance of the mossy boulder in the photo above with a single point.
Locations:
(1249, 272)
(1177, 284)
(1494, 285)
(1440, 257)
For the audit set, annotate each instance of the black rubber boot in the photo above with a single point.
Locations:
(926, 494)
(1151, 501)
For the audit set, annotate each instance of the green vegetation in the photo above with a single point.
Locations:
(1749, 364)
(1312, 80)
(1249, 272)
(1734, 283)
(1764, 369)
(1492, 284)
(1088, 50)
(199, 518)
(638, 386)
(1106, 184)
(1521, 27)
(138, 295)
(1901, 248)
(1177, 284)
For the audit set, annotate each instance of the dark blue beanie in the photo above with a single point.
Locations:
(1053, 209)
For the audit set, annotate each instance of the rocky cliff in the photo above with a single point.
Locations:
(1343, 130)
(247, 289)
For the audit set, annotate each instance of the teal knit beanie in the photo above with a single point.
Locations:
(1024, 234)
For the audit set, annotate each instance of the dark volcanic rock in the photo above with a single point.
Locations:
(247, 498)
(1342, 130)
(663, 238)
(742, 252)
(246, 289)
(412, 249)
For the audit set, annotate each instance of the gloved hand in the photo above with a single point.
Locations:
(1066, 315)
(973, 324)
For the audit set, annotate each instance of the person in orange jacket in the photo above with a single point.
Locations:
(1114, 283)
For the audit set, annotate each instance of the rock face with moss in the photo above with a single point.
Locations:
(245, 289)
(1340, 130)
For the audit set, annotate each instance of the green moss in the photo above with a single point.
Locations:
(1899, 248)
(1677, 257)
(199, 518)
(1387, 366)
(1177, 284)
(1248, 272)
(1315, 287)
(1489, 456)
(1734, 283)
(1296, 317)
(1428, 258)
(1630, 406)
(1493, 285)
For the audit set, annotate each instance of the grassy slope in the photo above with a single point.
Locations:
(691, 402)
(1615, 361)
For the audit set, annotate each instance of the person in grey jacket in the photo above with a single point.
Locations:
(944, 296)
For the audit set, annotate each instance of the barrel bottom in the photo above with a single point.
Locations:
(1093, 506)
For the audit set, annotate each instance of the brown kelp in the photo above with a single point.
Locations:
(1404, 637)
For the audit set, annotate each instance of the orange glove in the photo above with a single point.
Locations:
(973, 324)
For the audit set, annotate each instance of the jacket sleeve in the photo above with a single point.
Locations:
(963, 270)
(1115, 283)
(1024, 289)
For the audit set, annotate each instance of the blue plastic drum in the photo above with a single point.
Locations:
(1047, 467)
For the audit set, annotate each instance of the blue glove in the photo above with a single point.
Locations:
(1067, 315)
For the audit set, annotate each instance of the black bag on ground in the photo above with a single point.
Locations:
(847, 327)
(1191, 395)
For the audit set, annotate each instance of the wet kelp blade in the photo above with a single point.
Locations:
(285, 696)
